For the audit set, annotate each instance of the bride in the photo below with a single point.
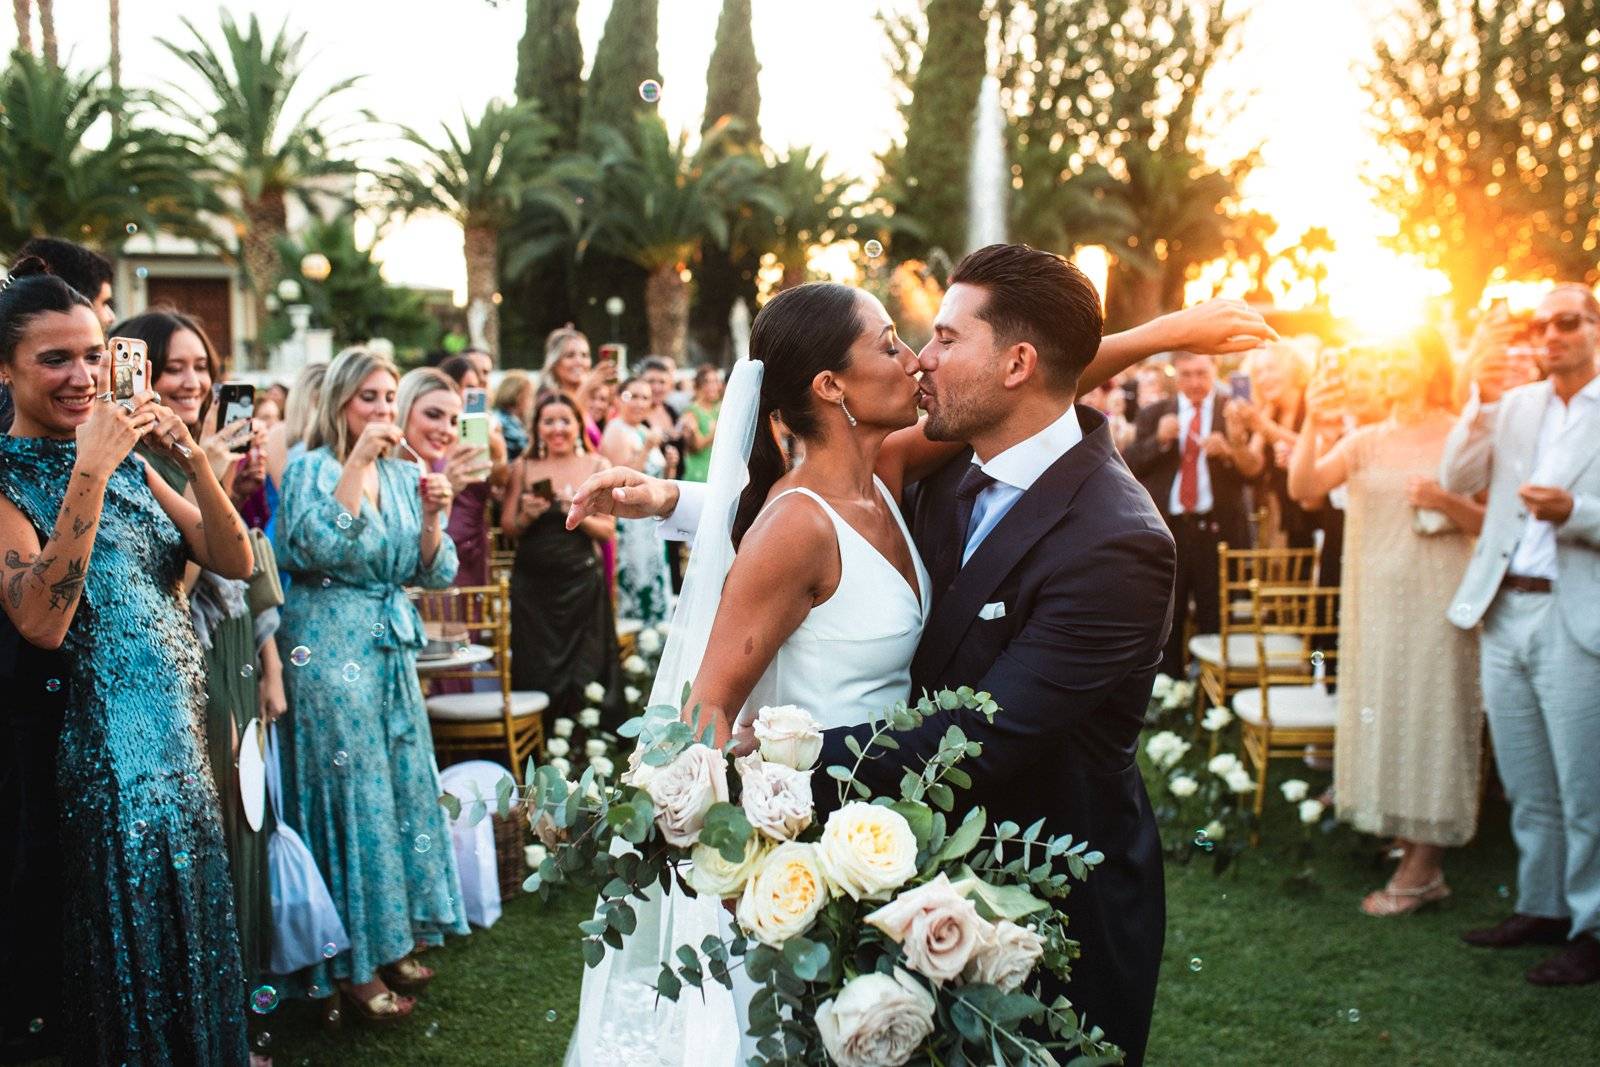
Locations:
(822, 607)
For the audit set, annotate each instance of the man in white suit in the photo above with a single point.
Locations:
(1534, 583)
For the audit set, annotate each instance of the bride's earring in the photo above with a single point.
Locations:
(851, 419)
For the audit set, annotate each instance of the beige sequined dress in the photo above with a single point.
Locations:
(1407, 754)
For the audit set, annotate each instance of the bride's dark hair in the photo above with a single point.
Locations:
(798, 334)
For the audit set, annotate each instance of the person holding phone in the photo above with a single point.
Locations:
(477, 470)
(355, 529)
(563, 634)
(150, 946)
(1406, 758)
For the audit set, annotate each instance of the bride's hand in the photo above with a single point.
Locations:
(623, 492)
(744, 738)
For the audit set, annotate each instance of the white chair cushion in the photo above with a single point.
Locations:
(1294, 707)
(1282, 649)
(629, 627)
(484, 707)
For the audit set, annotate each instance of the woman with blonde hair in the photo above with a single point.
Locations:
(355, 529)
(513, 408)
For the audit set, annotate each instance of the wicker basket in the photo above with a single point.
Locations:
(511, 839)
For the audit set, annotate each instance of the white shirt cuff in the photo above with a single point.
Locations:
(684, 521)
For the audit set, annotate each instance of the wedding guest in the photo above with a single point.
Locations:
(1111, 401)
(1193, 455)
(430, 416)
(644, 587)
(1275, 413)
(698, 426)
(1407, 748)
(513, 408)
(286, 439)
(355, 529)
(474, 479)
(660, 373)
(570, 371)
(150, 947)
(1534, 583)
(244, 676)
(86, 271)
(482, 361)
(563, 634)
(276, 393)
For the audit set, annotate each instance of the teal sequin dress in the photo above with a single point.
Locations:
(151, 954)
(366, 784)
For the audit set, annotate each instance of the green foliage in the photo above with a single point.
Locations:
(732, 91)
(57, 178)
(354, 301)
(625, 57)
(1490, 112)
(550, 67)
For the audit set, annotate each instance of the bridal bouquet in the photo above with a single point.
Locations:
(886, 933)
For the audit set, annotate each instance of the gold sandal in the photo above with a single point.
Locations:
(407, 975)
(383, 1009)
(1389, 902)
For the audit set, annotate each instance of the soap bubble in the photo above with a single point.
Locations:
(246, 671)
(550, 1016)
(326, 581)
(180, 860)
(344, 521)
(423, 842)
(873, 249)
(141, 273)
(1503, 892)
(329, 950)
(300, 655)
(52, 685)
(263, 1039)
(1195, 964)
(340, 758)
(431, 1031)
(1353, 1015)
(35, 1025)
(649, 90)
(1368, 716)
(263, 999)
(352, 671)
(377, 629)
(131, 228)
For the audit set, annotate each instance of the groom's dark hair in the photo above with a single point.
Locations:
(1041, 298)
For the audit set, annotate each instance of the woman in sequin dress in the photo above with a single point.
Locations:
(354, 529)
(1407, 749)
(94, 545)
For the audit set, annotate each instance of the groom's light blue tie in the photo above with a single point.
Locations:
(973, 482)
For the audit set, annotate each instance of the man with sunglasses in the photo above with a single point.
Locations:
(1534, 583)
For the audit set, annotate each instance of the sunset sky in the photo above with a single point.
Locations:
(824, 82)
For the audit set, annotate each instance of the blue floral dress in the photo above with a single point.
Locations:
(366, 784)
(150, 950)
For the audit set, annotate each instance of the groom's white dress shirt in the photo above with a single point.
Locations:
(1014, 471)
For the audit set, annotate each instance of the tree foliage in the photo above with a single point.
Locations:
(550, 67)
(1491, 109)
(627, 57)
(354, 300)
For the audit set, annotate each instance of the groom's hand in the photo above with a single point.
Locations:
(1219, 327)
(623, 492)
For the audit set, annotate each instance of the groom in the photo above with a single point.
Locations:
(1052, 575)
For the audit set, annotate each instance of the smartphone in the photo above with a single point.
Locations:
(1239, 385)
(475, 417)
(618, 354)
(544, 489)
(237, 401)
(129, 369)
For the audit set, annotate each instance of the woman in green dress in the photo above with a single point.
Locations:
(698, 426)
(354, 529)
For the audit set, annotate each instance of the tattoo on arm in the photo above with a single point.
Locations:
(14, 589)
(66, 590)
(80, 526)
(15, 559)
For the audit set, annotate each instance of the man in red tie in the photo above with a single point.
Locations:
(1195, 461)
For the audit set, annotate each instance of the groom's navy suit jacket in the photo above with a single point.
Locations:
(1084, 566)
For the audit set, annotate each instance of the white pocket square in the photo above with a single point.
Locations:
(997, 610)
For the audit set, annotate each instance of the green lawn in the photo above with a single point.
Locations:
(1287, 974)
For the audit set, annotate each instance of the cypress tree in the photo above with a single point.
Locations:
(939, 122)
(732, 93)
(550, 66)
(626, 58)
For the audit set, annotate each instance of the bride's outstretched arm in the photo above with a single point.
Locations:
(788, 562)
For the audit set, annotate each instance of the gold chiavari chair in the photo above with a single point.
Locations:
(1228, 659)
(502, 553)
(1290, 712)
(497, 718)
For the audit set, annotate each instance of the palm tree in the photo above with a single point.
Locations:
(58, 178)
(816, 210)
(482, 177)
(22, 11)
(654, 203)
(47, 32)
(262, 155)
(114, 25)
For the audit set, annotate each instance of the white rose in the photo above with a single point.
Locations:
(1223, 764)
(639, 772)
(685, 789)
(561, 765)
(1239, 781)
(649, 642)
(557, 746)
(938, 927)
(1215, 831)
(594, 692)
(589, 718)
(635, 665)
(1161, 687)
(867, 851)
(631, 694)
(784, 894)
(603, 766)
(1180, 694)
(1006, 955)
(562, 727)
(711, 874)
(876, 1020)
(535, 855)
(1311, 811)
(1166, 748)
(1294, 790)
(1182, 786)
(790, 736)
(1216, 718)
(776, 799)
(594, 747)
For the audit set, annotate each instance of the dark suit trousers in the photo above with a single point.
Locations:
(1197, 537)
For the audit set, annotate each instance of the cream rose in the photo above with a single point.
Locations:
(1295, 790)
(783, 894)
(1214, 830)
(561, 765)
(1182, 786)
(589, 718)
(557, 746)
(684, 790)
(594, 692)
(639, 772)
(1166, 748)
(1216, 718)
(649, 642)
(1239, 781)
(790, 736)
(938, 927)
(594, 747)
(635, 665)
(867, 850)
(1224, 764)
(876, 1020)
(603, 766)
(562, 727)
(1311, 811)
(776, 799)
(631, 694)
(714, 876)
(1006, 955)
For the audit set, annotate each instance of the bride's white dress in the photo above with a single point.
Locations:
(849, 659)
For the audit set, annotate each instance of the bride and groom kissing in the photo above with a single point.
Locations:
(1000, 542)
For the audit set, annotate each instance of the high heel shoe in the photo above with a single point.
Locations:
(383, 1009)
(406, 975)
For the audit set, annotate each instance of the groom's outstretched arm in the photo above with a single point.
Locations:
(1100, 620)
